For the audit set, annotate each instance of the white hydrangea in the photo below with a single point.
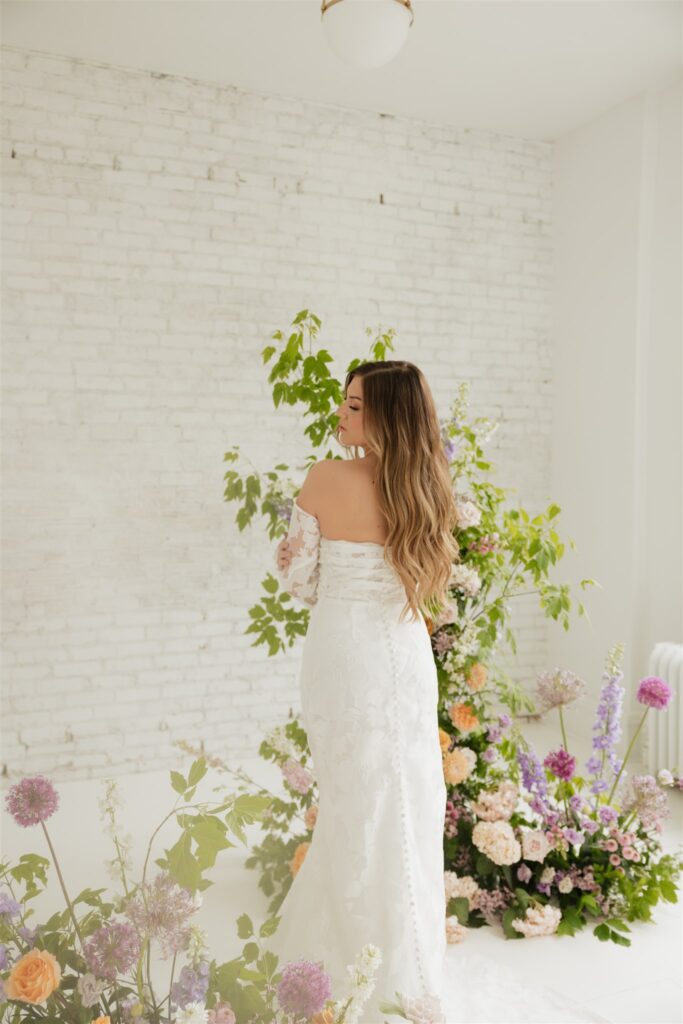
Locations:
(466, 579)
(193, 1013)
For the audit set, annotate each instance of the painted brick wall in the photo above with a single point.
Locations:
(157, 231)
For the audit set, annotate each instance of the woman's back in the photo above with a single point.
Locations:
(347, 506)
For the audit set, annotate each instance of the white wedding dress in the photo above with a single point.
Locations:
(374, 872)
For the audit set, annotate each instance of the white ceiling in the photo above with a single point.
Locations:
(531, 68)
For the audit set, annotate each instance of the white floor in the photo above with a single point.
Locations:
(641, 983)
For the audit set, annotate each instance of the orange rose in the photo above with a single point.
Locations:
(298, 858)
(477, 676)
(463, 717)
(34, 977)
(444, 740)
(102, 1020)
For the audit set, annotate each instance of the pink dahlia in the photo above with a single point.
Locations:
(303, 988)
(560, 763)
(32, 800)
(654, 692)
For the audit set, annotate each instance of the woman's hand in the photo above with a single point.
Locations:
(283, 554)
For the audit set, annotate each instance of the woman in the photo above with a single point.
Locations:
(370, 549)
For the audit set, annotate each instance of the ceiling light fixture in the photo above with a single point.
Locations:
(366, 33)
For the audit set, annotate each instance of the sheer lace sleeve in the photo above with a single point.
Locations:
(300, 578)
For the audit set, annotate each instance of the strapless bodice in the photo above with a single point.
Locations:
(356, 571)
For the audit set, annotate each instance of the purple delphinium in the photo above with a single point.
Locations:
(304, 988)
(32, 800)
(534, 780)
(560, 763)
(112, 949)
(654, 692)
(191, 986)
(504, 720)
(8, 906)
(607, 731)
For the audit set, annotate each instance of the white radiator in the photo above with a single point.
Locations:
(664, 742)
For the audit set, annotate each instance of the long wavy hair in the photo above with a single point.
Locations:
(414, 485)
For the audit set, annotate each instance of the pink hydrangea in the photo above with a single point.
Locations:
(654, 692)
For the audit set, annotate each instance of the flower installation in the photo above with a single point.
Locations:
(92, 963)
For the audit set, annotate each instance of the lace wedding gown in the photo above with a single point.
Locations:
(374, 872)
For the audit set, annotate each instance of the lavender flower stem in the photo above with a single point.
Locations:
(626, 756)
(61, 882)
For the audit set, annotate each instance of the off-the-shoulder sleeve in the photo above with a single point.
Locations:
(300, 577)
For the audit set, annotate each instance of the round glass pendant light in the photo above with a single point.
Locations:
(366, 33)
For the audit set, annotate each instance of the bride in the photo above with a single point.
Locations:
(370, 549)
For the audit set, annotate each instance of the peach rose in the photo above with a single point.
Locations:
(444, 740)
(323, 1017)
(102, 1020)
(311, 816)
(476, 679)
(34, 977)
(458, 765)
(463, 717)
(298, 858)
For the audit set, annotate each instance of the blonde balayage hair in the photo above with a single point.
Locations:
(414, 486)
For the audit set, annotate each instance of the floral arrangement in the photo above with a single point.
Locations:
(92, 963)
(543, 848)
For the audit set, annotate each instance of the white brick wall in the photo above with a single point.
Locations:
(157, 230)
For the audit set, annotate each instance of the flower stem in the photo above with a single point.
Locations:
(626, 756)
(61, 882)
(564, 734)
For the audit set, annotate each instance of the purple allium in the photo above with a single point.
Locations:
(647, 800)
(191, 986)
(654, 692)
(162, 912)
(560, 763)
(304, 988)
(32, 800)
(558, 688)
(112, 950)
(8, 906)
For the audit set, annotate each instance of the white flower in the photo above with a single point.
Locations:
(535, 844)
(466, 579)
(665, 778)
(455, 932)
(194, 1013)
(565, 884)
(90, 989)
(538, 920)
(468, 514)
(547, 875)
(426, 1010)
(454, 886)
(281, 743)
